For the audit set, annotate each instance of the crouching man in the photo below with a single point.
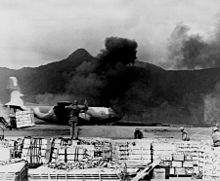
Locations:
(138, 134)
(185, 136)
(216, 137)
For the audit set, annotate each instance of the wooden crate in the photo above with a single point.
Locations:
(14, 172)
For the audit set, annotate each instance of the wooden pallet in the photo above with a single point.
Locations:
(84, 177)
(45, 173)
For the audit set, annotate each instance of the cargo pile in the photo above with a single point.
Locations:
(34, 150)
(60, 143)
(120, 150)
(189, 154)
(102, 146)
(135, 154)
(5, 155)
(69, 154)
(11, 168)
(182, 158)
(164, 152)
(7, 151)
(57, 142)
(82, 159)
(74, 160)
(15, 147)
(24, 119)
(210, 163)
(178, 159)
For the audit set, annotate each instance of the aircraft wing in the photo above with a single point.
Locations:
(99, 113)
(44, 113)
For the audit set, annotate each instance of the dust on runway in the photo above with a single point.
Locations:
(39, 130)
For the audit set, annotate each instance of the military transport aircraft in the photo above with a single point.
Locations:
(58, 114)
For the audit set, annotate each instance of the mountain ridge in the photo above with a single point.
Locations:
(151, 88)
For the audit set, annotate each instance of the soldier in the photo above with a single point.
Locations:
(138, 134)
(75, 109)
(185, 136)
(216, 137)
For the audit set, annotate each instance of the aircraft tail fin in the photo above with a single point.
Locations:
(86, 103)
(15, 94)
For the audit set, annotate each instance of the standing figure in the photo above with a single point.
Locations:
(185, 136)
(74, 110)
(216, 137)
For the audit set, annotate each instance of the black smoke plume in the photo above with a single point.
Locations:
(117, 50)
(192, 51)
(107, 77)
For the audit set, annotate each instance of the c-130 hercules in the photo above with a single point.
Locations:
(58, 114)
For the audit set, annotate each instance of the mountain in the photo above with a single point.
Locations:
(45, 78)
(144, 93)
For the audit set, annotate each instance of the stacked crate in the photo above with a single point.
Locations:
(177, 168)
(19, 147)
(89, 151)
(26, 150)
(211, 164)
(3, 143)
(185, 162)
(134, 153)
(69, 154)
(191, 152)
(7, 150)
(163, 151)
(182, 157)
(41, 145)
(140, 151)
(34, 150)
(24, 119)
(5, 155)
(56, 144)
(160, 173)
(120, 150)
(12, 144)
(102, 146)
(204, 158)
(62, 141)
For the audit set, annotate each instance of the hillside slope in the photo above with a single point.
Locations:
(142, 93)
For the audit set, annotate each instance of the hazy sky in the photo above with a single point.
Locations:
(41, 31)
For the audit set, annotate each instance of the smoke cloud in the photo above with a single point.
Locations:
(118, 50)
(103, 80)
(212, 106)
(192, 51)
(49, 99)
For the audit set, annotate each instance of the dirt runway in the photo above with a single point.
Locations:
(115, 132)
